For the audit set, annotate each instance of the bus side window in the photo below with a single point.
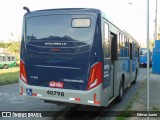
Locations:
(134, 49)
(5, 58)
(125, 47)
(13, 58)
(118, 48)
(122, 46)
(106, 41)
(138, 54)
(114, 48)
(130, 50)
(1, 58)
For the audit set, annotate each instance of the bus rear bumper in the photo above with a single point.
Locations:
(91, 97)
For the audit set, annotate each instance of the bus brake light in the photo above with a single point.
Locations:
(23, 75)
(95, 77)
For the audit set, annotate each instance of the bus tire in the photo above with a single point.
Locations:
(5, 66)
(134, 82)
(121, 91)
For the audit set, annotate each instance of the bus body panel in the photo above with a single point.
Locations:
(94, 97)
(73, 76)
(117, 78)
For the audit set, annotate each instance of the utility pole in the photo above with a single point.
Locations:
(155, 31)
(147, 41)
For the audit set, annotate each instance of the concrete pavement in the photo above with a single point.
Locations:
(154, 92)
(139, 101)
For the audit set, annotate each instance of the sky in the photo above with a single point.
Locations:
(129, 17)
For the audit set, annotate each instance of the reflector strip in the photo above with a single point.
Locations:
(39, 95)
(35, 94)
(24, 94)
(89, 101)
(71, 98)
(96, 102)
(95, 99)
(75, 99)
(21, 93)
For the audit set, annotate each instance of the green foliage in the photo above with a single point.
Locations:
(14, 47)
(3, 45)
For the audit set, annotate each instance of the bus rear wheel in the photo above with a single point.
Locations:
(121, 91)
(5, 66)
(135, 78)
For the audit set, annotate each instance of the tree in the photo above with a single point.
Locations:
(14, 47)
(3, 45)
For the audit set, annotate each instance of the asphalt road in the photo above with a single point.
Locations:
(10, 100)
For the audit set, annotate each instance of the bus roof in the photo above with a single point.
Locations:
(64, 10)
(82, 11)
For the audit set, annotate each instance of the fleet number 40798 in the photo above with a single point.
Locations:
(58, 93)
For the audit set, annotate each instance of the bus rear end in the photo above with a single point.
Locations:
(60, 58)
(143, 57)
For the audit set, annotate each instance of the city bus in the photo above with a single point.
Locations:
(76, 56)
(143, 57)
(7, 61)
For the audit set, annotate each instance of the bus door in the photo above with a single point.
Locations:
(108, 67)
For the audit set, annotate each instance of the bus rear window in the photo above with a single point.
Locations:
(57, 27)
(143, 51)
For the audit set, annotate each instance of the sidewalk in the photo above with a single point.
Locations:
(154, 92)
(139, 101)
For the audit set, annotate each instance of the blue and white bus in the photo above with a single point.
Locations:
(76, 56)
(143, 57)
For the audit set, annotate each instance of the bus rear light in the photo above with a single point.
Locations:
(23, 75)
(95, 77)
(93, 84)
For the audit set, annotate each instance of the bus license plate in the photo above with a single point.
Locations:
(58, 93)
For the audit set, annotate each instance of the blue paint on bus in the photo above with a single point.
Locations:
(143, 57)
(56, 51)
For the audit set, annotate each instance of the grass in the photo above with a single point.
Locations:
(134, 99)
(155, 108)
(8, 76)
